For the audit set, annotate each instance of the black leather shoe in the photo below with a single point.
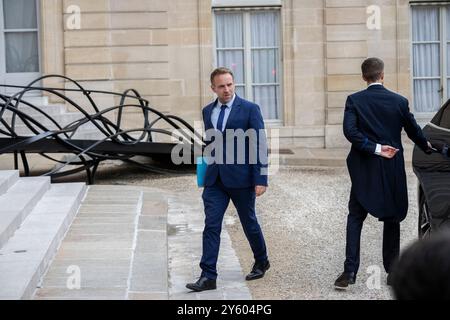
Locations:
(258, 271)
(202, 284)
(344, 280)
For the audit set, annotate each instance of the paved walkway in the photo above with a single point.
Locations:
(185, 245)
(137, 243)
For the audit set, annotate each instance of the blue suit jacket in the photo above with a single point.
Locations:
(244, 115)
(377, 115)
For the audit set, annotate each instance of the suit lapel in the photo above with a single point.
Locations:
(234, 111)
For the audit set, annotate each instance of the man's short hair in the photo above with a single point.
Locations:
(219, 71)
(423, 270)
(372, 68)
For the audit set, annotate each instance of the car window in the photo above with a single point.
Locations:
(442, 117)
(445, 120)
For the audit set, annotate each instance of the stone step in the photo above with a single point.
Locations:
(17, 203)
(95, 134)
(7, 179)
(52, 109)
(36, 100)
(87, 131)
(27, 255)
(92, 134)
(62, 119)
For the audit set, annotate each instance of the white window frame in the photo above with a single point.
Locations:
(248, 81)
(246, 3)
(15, 78)
(444, 78)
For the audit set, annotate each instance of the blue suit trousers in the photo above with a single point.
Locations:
(216, 199)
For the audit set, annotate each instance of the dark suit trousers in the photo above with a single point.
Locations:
(391, 238)
(216, 199)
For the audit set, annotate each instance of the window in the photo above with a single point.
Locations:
(248, 42)
(19, 43)
(431, 57)
(21, 36)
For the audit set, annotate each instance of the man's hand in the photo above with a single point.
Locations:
(260, 190)
(388, 152)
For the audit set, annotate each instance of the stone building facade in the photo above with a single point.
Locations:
(166, 50)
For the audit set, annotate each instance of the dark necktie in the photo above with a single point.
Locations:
(221, 117)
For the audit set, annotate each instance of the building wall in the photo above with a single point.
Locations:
(304, 74)
(165, 50)
(149, 45)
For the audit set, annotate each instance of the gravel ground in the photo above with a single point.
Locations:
(303, 217)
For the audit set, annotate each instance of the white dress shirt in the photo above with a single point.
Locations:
(216, 112)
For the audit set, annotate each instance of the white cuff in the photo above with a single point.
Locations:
(378, 149)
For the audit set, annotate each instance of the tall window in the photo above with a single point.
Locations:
(21, 36)
(19, 43)
(248, 42)
(431, 57)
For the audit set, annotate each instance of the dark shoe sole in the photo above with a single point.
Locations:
(343, 288)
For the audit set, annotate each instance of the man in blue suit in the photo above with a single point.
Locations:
(373, 122)
(231, 179)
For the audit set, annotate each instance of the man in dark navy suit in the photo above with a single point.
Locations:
(373, 122)
(229, 178)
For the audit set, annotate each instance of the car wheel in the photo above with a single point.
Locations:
(424, 217)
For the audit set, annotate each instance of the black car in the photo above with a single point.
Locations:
(433, 172)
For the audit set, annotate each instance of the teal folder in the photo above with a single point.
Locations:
(201, 171)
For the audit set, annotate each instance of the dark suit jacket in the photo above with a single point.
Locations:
(377, 115)
(244, 115)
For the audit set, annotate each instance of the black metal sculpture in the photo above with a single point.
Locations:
(113, 142)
